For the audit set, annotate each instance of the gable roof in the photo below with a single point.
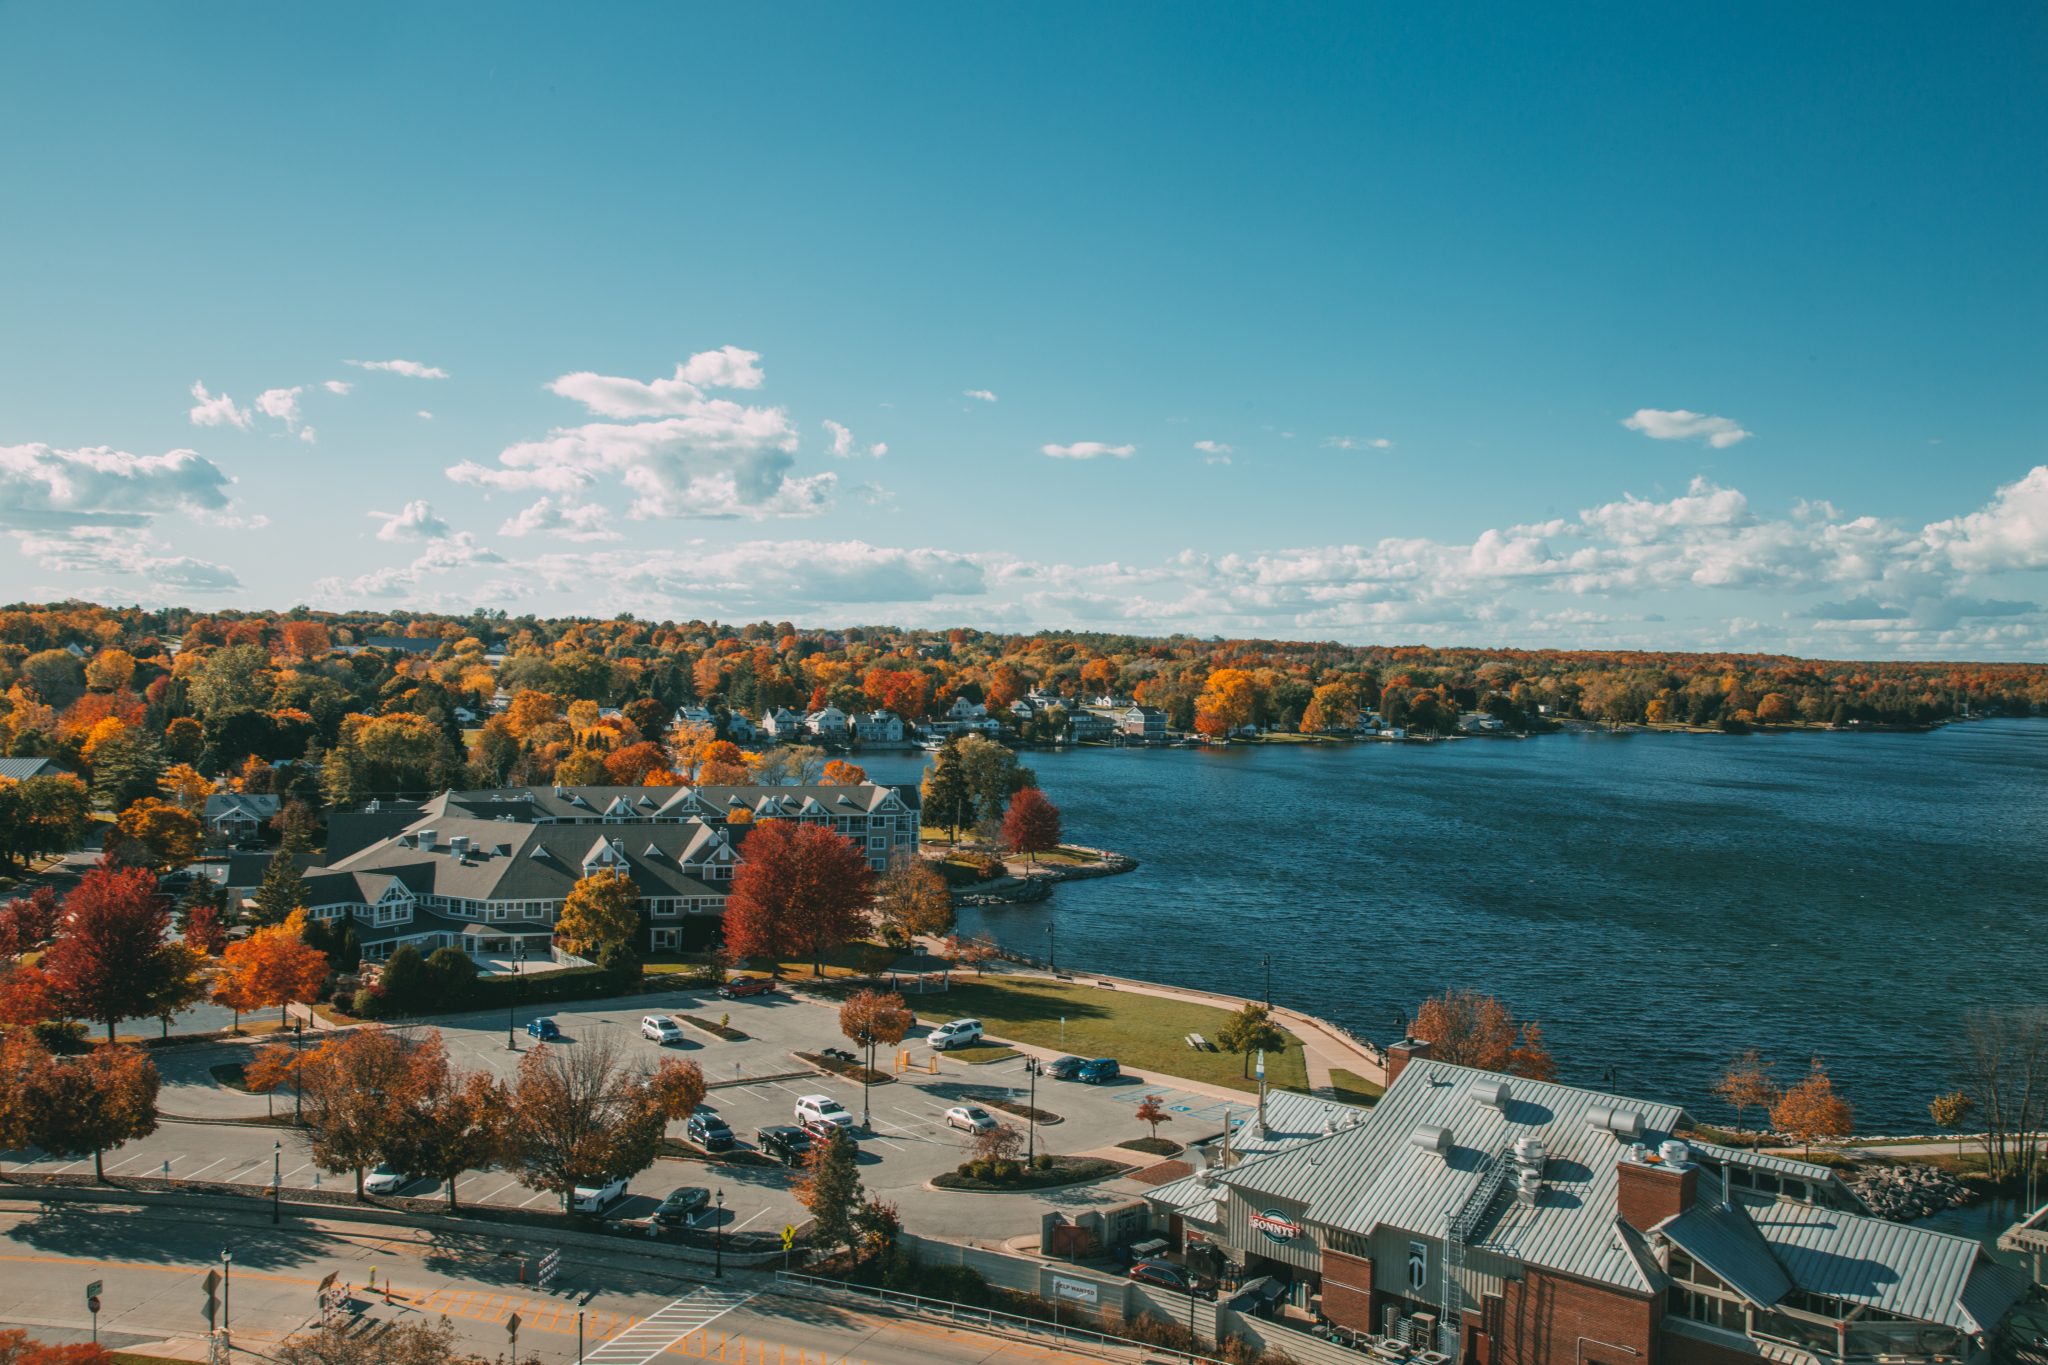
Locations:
(1359, 1179)
(22, 769)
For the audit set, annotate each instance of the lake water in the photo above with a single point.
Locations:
(1659, 901)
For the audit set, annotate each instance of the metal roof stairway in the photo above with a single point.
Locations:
(1460, 1224)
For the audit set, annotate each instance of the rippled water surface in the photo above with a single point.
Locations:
(1658, 901)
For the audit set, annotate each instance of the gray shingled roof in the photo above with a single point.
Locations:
(1357, 1180)
(588, 804)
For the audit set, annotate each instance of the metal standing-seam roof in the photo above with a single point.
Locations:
(1725, 1241)
(1915, 1272)
(1371, 1175)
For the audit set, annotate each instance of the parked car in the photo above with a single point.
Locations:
(683, 1204)
(787, 1144)
(821, 1130)
(1064, 1068)
(386, 1179)
(709, 1131)
(741, 986)
(661, 1029)
(822, 1109)
(598, 1198)
(956, 1033)
(971, 1117)
(547, 1030)
(1100, 1071)
(1167, 1275)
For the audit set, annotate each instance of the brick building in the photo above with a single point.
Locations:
(1514, 1222)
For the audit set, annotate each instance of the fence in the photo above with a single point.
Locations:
(1127, 1299)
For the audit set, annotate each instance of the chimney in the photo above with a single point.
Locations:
(1651, 1188)
(1400, 1054)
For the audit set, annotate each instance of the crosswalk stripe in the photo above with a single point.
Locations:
(643, 1340)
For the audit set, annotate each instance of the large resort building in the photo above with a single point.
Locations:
(487, 871)
(1513, 1222)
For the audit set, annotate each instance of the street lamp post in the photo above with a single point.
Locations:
(227, 1261)
(276, 1179)
(1031, 1119)
(518, 977)
(718, 1235)
(1267, 962)
(1052, 956)
(298, 1069)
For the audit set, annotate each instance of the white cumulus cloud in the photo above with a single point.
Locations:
(2011, 532)
(979, 395)
(843, 444)
(216, 410)
(605, 395)
(1088, 450)
(414, 521)
(1677, 424)
(40, 484)
(340, 387)
(1356, 442)
(283, 404)
(564, 519)
(411, 369)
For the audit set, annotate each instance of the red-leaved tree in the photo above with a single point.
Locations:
(799, 889)
(111, 956)
(1032, 824)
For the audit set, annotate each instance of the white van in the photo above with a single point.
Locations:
(955, 1033)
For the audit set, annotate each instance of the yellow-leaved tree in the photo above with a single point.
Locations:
(601, 910)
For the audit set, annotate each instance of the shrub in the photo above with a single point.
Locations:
(621, 964)
(1042, 1162)
(451, 977)
(405, 985)
(365, 1003)
(1004, 1170)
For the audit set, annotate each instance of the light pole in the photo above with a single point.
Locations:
(227, 1261)
(518, 961)
(1052, 956)
(276, 1178)
(1031, 1119)
(298, 1069)
(1267, 962)
(718, 1235)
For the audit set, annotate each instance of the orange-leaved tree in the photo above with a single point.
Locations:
(1812, 1111)
(1466, 1028)
(1747, 1084)
(840, 773)
(273, 966)
(1031, 825)
(911, 899)
(1152, 1113)
(155, 834)
(111, 955)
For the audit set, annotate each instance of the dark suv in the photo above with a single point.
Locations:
(787, 1144)
(709, 1131)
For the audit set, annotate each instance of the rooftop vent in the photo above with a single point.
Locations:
(1432, 1137)
(1625, 1124)
(1490, 1094)
(427, 838)
(458, 843)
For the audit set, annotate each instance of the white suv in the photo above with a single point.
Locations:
(822, 1109)
(598, 1198)
(661, 1029)
(958, 1033)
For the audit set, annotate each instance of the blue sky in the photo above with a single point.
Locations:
(1689, 329)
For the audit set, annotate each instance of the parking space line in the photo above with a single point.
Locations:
(543, 1194)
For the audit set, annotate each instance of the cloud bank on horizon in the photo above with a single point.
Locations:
(1680, 570)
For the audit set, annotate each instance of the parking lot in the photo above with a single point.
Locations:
(754, 1083)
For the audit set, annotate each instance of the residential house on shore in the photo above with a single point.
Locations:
(829, 726)
(783, 725)
(879, 727)
(487, 871)
(1144, 724)
(237, 817)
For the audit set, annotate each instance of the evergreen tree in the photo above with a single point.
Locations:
(283, 890)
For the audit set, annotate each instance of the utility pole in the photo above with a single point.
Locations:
(1031, 1119)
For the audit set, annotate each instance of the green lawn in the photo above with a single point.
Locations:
(1349, 1088)
(1140, 1031)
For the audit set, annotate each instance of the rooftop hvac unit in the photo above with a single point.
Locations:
(427, 838)
(1490, 1094)
(1432, 1137)
(1672, 1152)
(1625, 1124)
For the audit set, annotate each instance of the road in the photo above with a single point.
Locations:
(152, 1264)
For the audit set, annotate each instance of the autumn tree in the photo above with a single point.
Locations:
(112, 953)
(1952, 1111)
(840, 773)
(186, 787)
(2002, 1061)
(1466, 1028)
(409, 1343)
(91, 1102)
(354, 1095)
(830, 1189)
(17, 1348)
(42, 815)
(799, 889)
(911, 900)
(1251, 1030)
(23, 1061)
(1000, 1143)
(1747, 1085)
(1032, 824)
(181, 985)
(273, 966)
(1226, 703)
(1333, 706)
(450, 1121)
(1811, 1110)
(273, 1067)
(628, 766)
(27, 922)
(27, 996)
(205, 930)
(1152, 1112)
(579, 1116)
(601, 910)
(155, 834)
(874, 1018)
